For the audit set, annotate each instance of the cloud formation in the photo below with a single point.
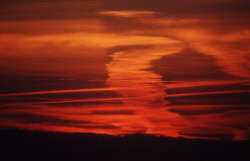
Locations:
(177, 68)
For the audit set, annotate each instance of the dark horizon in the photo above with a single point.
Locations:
(25, 145)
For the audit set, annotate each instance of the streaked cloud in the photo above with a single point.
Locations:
(208, 93)
(58, 91)
(132, 14)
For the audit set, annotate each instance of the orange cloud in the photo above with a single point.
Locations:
(127, 14)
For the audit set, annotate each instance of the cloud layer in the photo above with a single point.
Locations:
(177, 68)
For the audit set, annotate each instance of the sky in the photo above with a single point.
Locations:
(175, 68)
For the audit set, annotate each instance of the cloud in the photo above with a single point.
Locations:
(29, 118)
(41, 27)
(226, 136)
(127, 14)
(189, 65)
(181, 8)
(206, 84)
(204, 110)
(86, 103)
(59, 91)
(50, 10)
(63, 101)
(225, 97)
(205, 40)
(208, 93)
(112, 112)
(47, 10)
(176, 68)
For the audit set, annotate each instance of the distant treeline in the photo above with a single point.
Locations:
(23, 145)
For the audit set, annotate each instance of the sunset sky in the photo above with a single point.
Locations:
(178, 68)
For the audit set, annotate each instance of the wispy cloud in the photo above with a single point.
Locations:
(204, 83)
(59, 91)
(207, 93)
(128, 14)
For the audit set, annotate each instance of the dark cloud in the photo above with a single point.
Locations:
(83, 66)
(204, 132)
(227, 99)
(7, 101)
(233, 113)
(20, 84)
(47, 10)
(8, 107)
(226, 136)
(209, 94)
(181, 7)
(85, 95)
(205, 111)
(208, 88)
(66, 9)
(29, 118)
(242, 126)
(189, 65)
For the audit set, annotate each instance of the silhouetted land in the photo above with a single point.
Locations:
(22, 145)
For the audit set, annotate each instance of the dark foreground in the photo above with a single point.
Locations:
(21, 145)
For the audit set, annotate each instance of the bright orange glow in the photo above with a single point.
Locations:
(127, 13)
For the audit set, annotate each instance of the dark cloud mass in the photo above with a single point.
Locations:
(29, 118)
(229, 98)
(189, 65)
(204, 111)
(210, 136)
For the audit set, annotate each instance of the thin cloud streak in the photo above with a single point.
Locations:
(80, 100)
(128, 14)
(65, 101)
(59, 91)
(204, 83)
(207, 93)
